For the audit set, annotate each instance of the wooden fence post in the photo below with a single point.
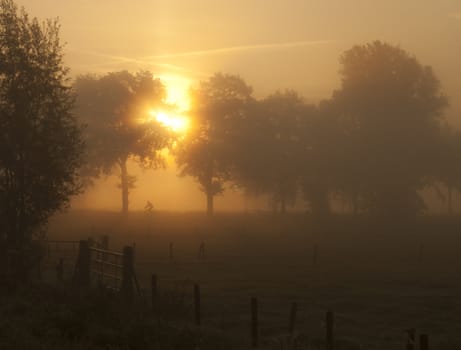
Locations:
(293, 311)
(39, 269)
(60, 269)
(411, 339)
(254, 322)
(201, 251)
(314, 255)
(105, 242)
(171, 251)
(127, 274)
(329, 333)
(423, 342)
(154, 292)
(82, 269)
(197, 304)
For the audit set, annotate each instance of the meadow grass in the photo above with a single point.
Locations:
(379, 278)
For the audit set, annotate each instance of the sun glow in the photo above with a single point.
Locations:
(177, 91)
(176, 123)
(174, 116)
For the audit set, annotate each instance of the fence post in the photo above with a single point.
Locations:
(127, 273)
(314, 255)
(82, 269)
(424, 342)
(329, 333)
(105, 242)
(197, 304)
(60, 269)
(154, 292)
(39, 269)
(293, 311)
(171, 251)
(411, 339)
(201, 251)
(254, 322)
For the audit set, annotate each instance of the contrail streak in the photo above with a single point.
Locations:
(234, 49)
(115, 59)
(153, 60)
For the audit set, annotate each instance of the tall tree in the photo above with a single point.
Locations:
(117, 109)
(206, 152)
(321, 158)
(40, 140)
(270, 148)
(392, 106)
(447, 165)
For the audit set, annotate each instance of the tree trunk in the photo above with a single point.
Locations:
(450, 200)
(283, 205)
(320, 205)
(209, 191)
(124, 185)
(355, 204)
(209, 203)
(245, 202)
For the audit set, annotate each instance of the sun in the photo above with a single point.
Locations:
(175, 116)
(177, 123)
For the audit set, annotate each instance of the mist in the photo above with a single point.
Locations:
(230, 174)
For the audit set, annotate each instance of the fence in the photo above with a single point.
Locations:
(60, 247)
(107, 266)
(114, 270)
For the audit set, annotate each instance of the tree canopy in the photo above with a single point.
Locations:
(205, 153)
(355, 146)
(390, 106)
(40, 139)
(269, 151)
(118, 111)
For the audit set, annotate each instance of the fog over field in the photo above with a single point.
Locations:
(292, 44)
(217, 174)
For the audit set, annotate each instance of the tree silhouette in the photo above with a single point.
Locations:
(447, 164)
(117, 109)
(321, 158)
(40, 140)
(206, 152)
(269, 157)
(390, 106)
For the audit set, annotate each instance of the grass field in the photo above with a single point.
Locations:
(378, 279)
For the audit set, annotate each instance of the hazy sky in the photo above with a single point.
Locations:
(273, 44)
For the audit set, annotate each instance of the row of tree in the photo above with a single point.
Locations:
(376, 143)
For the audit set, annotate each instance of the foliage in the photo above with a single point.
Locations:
(321, 158)
(117, 110)
(386, 96)
(40, 140)
(447, 164)
(219, 105)
(269, 157)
